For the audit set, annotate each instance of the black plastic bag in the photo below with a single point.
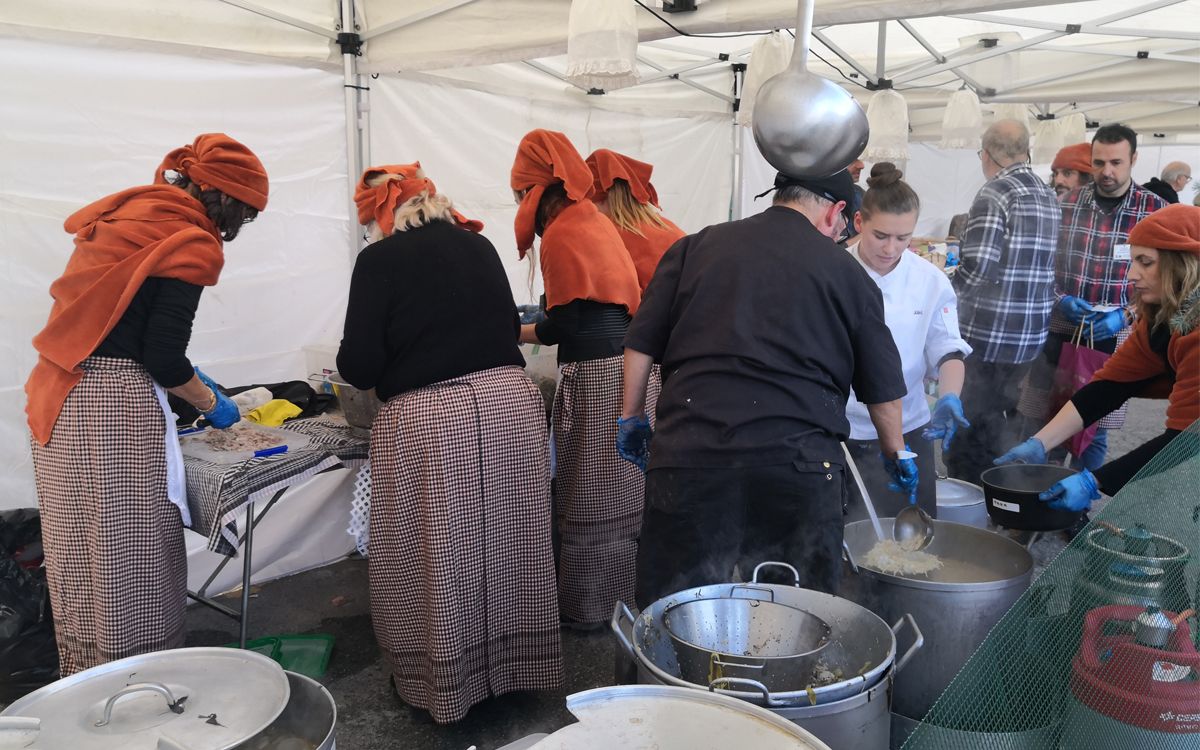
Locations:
(28, 651)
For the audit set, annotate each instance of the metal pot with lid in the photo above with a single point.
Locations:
(961, 502)
(182, 699)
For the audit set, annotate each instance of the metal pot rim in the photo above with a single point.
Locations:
(755, 657)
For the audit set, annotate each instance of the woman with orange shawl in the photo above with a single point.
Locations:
(105, 455)
(624, 194)
(591, 293)
(460, 551)
(1160, 359)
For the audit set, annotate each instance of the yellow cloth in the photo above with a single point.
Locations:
(273, 413)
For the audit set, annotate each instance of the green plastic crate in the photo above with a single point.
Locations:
(304, 654)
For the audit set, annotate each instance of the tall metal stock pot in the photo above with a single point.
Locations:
(982, 575)
(847, 706)
(181, 699)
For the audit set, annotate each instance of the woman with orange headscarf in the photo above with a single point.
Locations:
(460, 551)
(591, 293)
(105, 454)
(624, 194)
(1160, 359)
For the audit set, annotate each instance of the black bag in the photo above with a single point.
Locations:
(28, 651)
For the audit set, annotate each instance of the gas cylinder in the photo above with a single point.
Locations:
(1128, 695)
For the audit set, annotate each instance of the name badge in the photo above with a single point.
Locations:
(1121, 252)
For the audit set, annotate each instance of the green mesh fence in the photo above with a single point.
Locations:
(1063, 670)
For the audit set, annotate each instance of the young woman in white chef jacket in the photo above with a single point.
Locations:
(922, 312)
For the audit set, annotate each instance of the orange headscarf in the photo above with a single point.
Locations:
(1174, 228)
(379, 203)
(1077, 157)
(545, 157)
(214, 160)
(607, 166)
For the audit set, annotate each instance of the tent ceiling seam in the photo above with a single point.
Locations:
(281, 18)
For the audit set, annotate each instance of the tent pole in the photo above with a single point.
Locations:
(739, 161)
(353, 135)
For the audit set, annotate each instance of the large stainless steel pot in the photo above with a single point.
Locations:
(961, 502)
(308, 722)
(983, 574)
(781, 644)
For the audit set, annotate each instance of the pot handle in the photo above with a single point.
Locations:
(621, 612)
(746, 587)
(918, 640)
(761, 565)
(743, 682)
(175, 706)
(849, 557)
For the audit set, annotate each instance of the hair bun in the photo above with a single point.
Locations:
(883, 174)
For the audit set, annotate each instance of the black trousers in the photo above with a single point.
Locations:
(700, 523)
(870, 465)
(989, 397)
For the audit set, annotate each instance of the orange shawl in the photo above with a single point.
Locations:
(545, 157)
(583, 258)
(647, 249)
(1135, 360)
(379, 203)
(120, 241)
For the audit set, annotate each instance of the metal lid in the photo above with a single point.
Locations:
(640, 717)
(954, 493)
(191, 698)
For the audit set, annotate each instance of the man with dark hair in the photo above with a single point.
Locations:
(1090, 285)
(1005, 285)
(1174, 177)
(762, 326)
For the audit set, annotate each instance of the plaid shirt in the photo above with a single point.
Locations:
(1085, 263)
(1005, 281)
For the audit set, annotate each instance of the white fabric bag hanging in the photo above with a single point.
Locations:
(1018, 112)
(602, 40)
(768, 57)
(962, 124)
(887, 114)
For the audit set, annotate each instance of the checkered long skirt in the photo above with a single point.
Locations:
(461, 560)
(598, 497)
(115, 557)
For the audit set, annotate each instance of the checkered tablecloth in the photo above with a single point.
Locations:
(217, 491)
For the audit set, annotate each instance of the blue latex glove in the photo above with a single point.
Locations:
(1032, 451)
(947, 418)
(1074, 308)
(633, 440)
(903, 472)
(1102, 326)
(1073, 493)
(225, 413)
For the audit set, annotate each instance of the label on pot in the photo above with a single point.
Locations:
(1010, 507)
(1165, 671)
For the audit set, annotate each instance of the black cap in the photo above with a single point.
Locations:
(836, 187)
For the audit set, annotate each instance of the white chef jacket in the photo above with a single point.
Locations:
(921, 310)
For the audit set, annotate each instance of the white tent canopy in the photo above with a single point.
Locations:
(93, 94)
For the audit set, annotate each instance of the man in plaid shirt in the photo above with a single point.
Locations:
(1090, 284)
(1005, 287)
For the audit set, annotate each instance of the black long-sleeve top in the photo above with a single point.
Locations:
(584, 329)
(155, 330)
(427, 305)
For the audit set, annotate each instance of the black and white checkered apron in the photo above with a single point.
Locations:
(598, 497)
(115, 557)
(461, 559)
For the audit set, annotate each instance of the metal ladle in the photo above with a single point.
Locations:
(806, 125)
(913, 527)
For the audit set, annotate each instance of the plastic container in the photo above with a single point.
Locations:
(305, 654)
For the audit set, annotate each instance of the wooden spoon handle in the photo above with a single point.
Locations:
(1182, 616)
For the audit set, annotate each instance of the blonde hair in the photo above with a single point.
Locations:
(416, 212)
(1179, 278)
(627, 212)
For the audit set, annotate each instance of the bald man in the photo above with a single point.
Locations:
(1174, 177)
(1005, 286)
